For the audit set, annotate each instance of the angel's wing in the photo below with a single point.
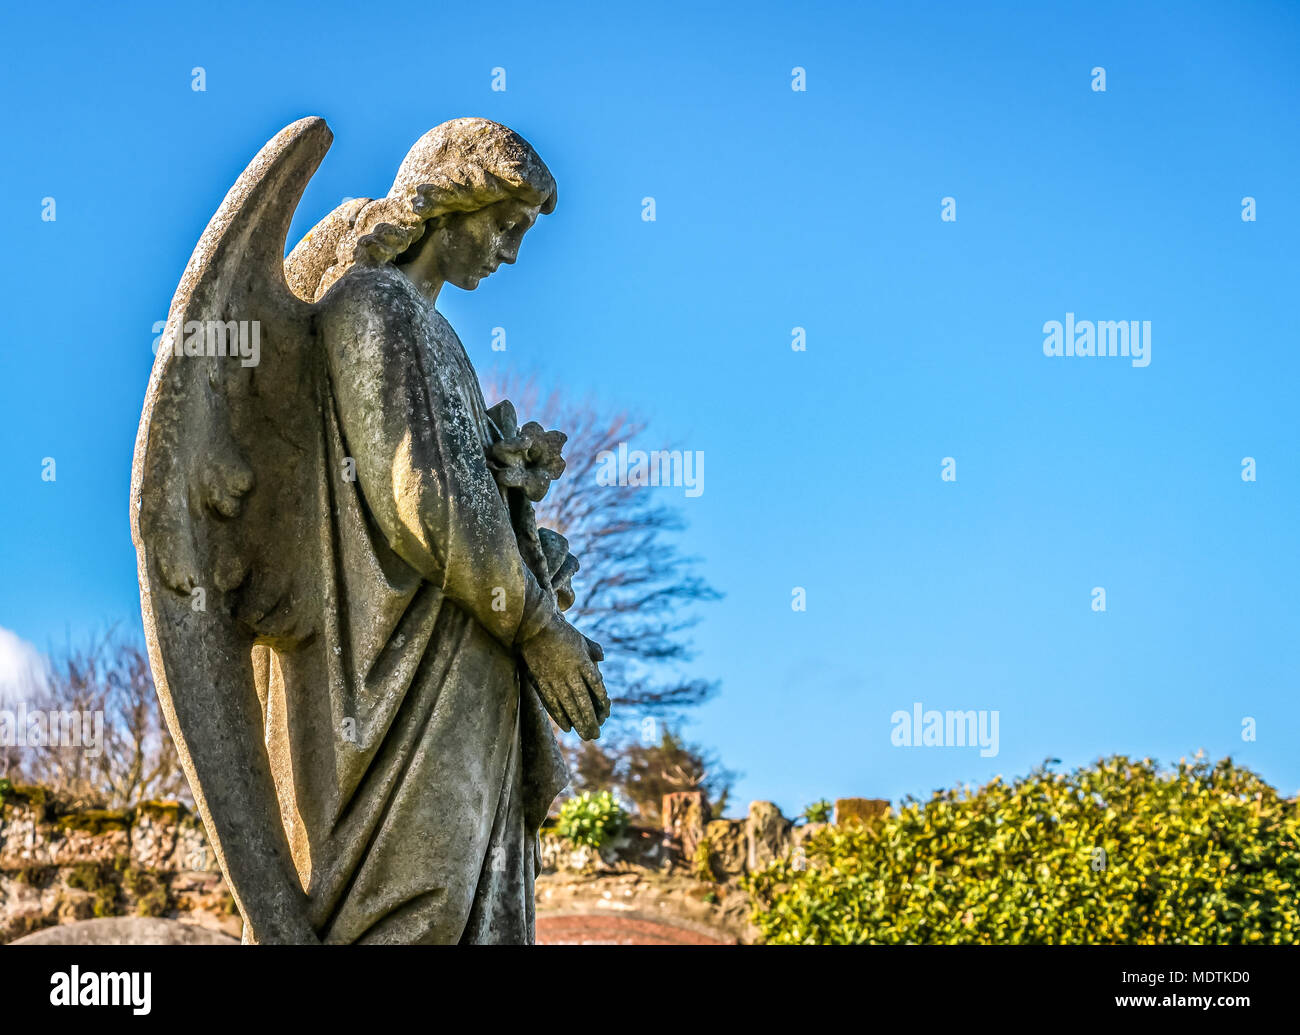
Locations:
(225, 494)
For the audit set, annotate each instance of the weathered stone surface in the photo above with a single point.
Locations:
(424, 580)
(799, 838)
(859, 810)
(560, 856)
(802, 835)
(727, 846)
(72, 845)
(127, 930)
(685, 815)
(23, 842)
(155, 837)
(203, 900)
(636, 846)
(60, 864)
(767, 834)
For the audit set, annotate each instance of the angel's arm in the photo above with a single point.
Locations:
(419, 462)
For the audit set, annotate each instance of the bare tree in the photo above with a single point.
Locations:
(105, 743)
(635, 592)
(635, 595)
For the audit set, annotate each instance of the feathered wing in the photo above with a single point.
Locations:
(226, 513)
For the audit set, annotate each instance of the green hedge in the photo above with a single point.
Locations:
(591, 819)
(1118, 852)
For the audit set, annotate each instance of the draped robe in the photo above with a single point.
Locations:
(412, 763)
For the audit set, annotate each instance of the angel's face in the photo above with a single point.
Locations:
(471, 245)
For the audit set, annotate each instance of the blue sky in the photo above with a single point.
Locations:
(775, 209)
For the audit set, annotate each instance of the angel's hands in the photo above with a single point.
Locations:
(562, 663)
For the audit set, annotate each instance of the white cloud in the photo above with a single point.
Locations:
(24, 670)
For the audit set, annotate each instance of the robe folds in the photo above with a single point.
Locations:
(413, 763)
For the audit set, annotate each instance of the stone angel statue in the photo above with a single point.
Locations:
(353, 620)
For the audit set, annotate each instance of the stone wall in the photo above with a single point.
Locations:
(693, 843)
(685, 874)
(60, 864)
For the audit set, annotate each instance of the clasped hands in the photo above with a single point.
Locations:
(562, 663)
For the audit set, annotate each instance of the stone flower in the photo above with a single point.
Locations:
(527, 458)
(561, 564)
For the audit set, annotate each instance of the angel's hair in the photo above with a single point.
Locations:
(461, 166)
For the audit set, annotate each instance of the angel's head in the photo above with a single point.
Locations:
(462, 248)
(463, 199)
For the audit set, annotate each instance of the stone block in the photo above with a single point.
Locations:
(767, 834)
(859, 810)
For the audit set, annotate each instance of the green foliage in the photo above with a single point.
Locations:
(642, 773)
(86, 877)
(95, 821)
(97, 879)
(136, 881)
(591, 819)
(1118, 852)
(153, 903)
(18, 793)
(106, 900)
(818, 812)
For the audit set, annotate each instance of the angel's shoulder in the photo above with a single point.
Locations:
(370, 301)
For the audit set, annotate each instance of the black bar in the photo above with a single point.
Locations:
(593, 985)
